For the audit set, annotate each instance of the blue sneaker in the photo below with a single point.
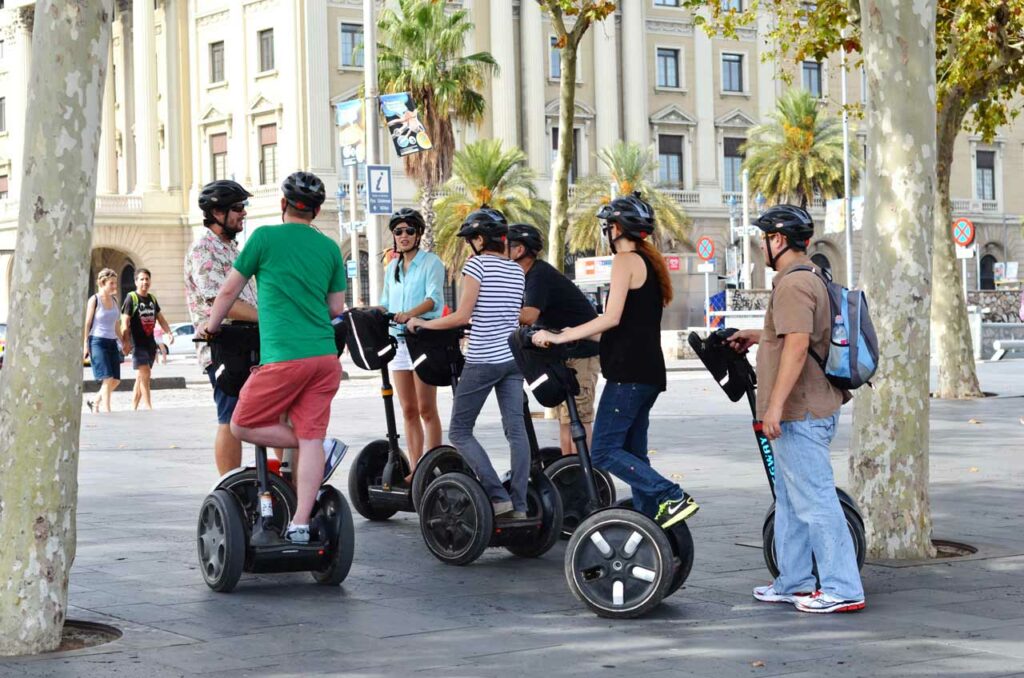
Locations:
(334, 451)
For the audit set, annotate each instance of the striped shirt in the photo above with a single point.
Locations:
(496, 313)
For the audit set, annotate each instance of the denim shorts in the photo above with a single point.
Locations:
(225, 403)
(105, 358)
(143, 356)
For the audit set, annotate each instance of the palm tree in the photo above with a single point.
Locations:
(420, 52)
(484, 173)
(631, 168)
(798, 155)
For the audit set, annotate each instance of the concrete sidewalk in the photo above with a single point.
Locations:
(143, 476)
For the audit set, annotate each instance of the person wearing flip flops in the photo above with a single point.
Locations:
(799, 409)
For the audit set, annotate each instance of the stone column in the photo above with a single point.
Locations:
(107, 169)
(17, 105)
(173, 130)
(606, 68)
(146, 146)
(634, 73)
(534, 47)
(704, 95)
(236, 72)
(766, 68)
(322, 143)
(503, 84)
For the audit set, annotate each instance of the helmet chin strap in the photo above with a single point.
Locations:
(774, 257)
(611, 240)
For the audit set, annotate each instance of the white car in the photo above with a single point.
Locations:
(183, 333)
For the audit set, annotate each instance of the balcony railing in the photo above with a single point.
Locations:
(118, 204)
(965, 206)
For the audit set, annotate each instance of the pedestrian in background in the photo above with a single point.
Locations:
(99, 345)
(139, 317)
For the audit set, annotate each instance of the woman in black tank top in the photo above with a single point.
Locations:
(631, 360)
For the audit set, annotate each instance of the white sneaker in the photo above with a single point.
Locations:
(334, 451)
(768, 594)
(820, 602)
(297, 534)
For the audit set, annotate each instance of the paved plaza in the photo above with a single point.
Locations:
(143, 476)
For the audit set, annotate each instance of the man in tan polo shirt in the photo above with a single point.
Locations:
(799, 409)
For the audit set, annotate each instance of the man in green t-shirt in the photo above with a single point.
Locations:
(300, 280)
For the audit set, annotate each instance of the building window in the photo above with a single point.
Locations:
(731, 5)
(574, 165)
(268, 154)
(732, 72)
(988, 273)
(219, 156)
(666, 3)
(352, 45)
(3, 187)
(2, 45)
(3, 114)
(732, 181)
(668, 68)
(217, 61)
(555, 61)
(670, 160)
(266, 50)
(985, 171)
(812, 78)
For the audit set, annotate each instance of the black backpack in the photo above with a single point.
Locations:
(235, 351)
(433, 354)
(368, 340)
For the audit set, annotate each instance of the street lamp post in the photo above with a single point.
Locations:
(745, 277)
(759, 202)
(370, 86)
(731, 202)
(847, 201)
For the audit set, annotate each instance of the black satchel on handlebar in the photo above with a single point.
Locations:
(235, 350)
(436, 355)
(368, 338)
(547, 376)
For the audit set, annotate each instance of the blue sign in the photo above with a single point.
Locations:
(378, 189)
(350, 268)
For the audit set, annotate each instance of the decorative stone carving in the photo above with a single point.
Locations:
(212, 18)
(681, 28)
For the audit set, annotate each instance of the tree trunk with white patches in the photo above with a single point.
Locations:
(41, 384)
(889, 450)
(563, 161)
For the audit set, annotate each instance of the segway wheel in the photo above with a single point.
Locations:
(456, 519)
(335, 517)
(245, 488)
(681, 540)
(619, 563)
(220, 539)
(853, 521)
(542, 500)
(567, 475)
(434, 464)
(548, 456)
(368, 469)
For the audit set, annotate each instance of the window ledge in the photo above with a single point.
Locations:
(350, 69)
(745, 95)
(558, 81)
(272, 73)
(217, 85)
(673, 90)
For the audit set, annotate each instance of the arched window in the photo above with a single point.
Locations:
(127, 281)
(988, 276)
(822, 262)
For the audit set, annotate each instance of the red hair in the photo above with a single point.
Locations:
(651, 253)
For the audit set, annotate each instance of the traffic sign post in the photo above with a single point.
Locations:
(963, 235)
(378, 189)
(706, 251)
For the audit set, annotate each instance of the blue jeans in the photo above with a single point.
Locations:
(474, 387)
(620, 443)
(808, 518)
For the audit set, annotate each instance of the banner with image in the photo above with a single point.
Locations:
(403, 124)
(348, 117)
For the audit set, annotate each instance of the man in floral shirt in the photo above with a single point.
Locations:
(207, 265)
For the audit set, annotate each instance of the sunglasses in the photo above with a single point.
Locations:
(239, 206)
(404, 231)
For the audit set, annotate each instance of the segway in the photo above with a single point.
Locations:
(376, 481)
(737, 378)
(456, 517)
(243, 519)
(618, 562)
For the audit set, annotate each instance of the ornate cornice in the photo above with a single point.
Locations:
(681, 28)
(212, 18)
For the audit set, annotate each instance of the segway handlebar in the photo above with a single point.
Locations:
(730, 369)
(559, 352)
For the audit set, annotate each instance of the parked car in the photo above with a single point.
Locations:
(3, 342)
(183, 333)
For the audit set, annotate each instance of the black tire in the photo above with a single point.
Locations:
(367, 469)
(245, 489)
(336, 518)
(567, 475)
(221, 541)
(681, 540)
(602, 561)
(541, 498)
(548, 456)
(456, 519)
(434, 464)
(853, 521)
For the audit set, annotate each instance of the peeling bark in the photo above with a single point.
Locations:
(41, 388)
(889, 450)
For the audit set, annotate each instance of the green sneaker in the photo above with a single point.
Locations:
(675, 510)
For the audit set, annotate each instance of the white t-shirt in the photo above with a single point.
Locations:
(496, 314)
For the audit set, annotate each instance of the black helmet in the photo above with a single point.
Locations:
(526, 234)
(632, 213)
(485, 221)
(304, 191)
(791, 221)
(408, 216)
(222, 194)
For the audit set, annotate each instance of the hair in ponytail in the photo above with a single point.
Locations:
(651, 253)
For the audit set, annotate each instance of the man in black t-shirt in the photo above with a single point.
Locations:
(553, 301)
(139, 316)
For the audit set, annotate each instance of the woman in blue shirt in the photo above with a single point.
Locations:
(413, 288)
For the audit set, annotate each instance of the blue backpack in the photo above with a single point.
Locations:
(853, 350)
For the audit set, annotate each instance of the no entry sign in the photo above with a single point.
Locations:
(963, 232)
(706, 248)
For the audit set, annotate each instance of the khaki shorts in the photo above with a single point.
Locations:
(587, 371)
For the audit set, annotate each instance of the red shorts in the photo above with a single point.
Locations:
(302, 389)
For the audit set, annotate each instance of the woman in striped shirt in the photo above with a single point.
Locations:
(492, 294)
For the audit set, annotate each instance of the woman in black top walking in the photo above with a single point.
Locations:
(631, 359)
